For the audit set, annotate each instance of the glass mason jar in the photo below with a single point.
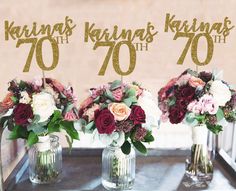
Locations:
(45, 160)
(118, 169)
(199, 167)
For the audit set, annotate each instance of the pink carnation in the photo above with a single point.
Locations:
(57, 85)
(70, 116)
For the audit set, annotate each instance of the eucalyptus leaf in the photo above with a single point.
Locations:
(130, 92)
(69, 107)
(90, 126)
(115, 84)
(109, 95)
(219, 114)
(130, 101)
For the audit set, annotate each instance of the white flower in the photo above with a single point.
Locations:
(24, 97)
(43, 105)
(146, 101)
(220, 92)
(107, 139)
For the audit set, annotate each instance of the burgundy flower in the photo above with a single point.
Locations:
(22, 113)
(205, 76)
(124, 126)
(176, 114)
(137, 115)
(104, 121)
(140, 134)
(186, 92)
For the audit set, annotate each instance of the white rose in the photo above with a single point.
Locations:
(220, 92)
(153, 113)
(24, 97)
(43, 105)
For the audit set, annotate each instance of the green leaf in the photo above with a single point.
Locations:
(219, 114)
(115, 84)
(126, 147)
(214, 128)
(68, 126)
(22, 85)
(56, 116)
(14, 99)
(32, 139)
(18, 132)
(130, 101)
(140, 147)
(149, 138)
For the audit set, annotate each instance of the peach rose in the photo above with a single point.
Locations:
(7, 102)
(119, 110)
(195, 82)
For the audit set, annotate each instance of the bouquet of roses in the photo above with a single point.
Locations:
(38, 108)
(118, 113)
(198, 98)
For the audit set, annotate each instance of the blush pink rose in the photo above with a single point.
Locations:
(118, 94)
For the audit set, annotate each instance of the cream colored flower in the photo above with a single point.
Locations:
(90, 111)
(43, 105)
(220, 92)
(120, 111)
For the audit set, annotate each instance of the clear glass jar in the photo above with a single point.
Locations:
(118, 169)
(45, 160)
(199, 168)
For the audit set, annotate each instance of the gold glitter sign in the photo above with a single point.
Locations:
(212, 32)
(36, 35)
(135, 40)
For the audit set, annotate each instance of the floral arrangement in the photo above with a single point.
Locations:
(38, 108)
(119, 113)
(198, 98)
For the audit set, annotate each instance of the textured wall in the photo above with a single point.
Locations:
(79, 64)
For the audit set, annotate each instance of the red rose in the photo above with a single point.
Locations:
(22, 113)
(137, 115)
(186, 92)
(176, 114)
(104, 121)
